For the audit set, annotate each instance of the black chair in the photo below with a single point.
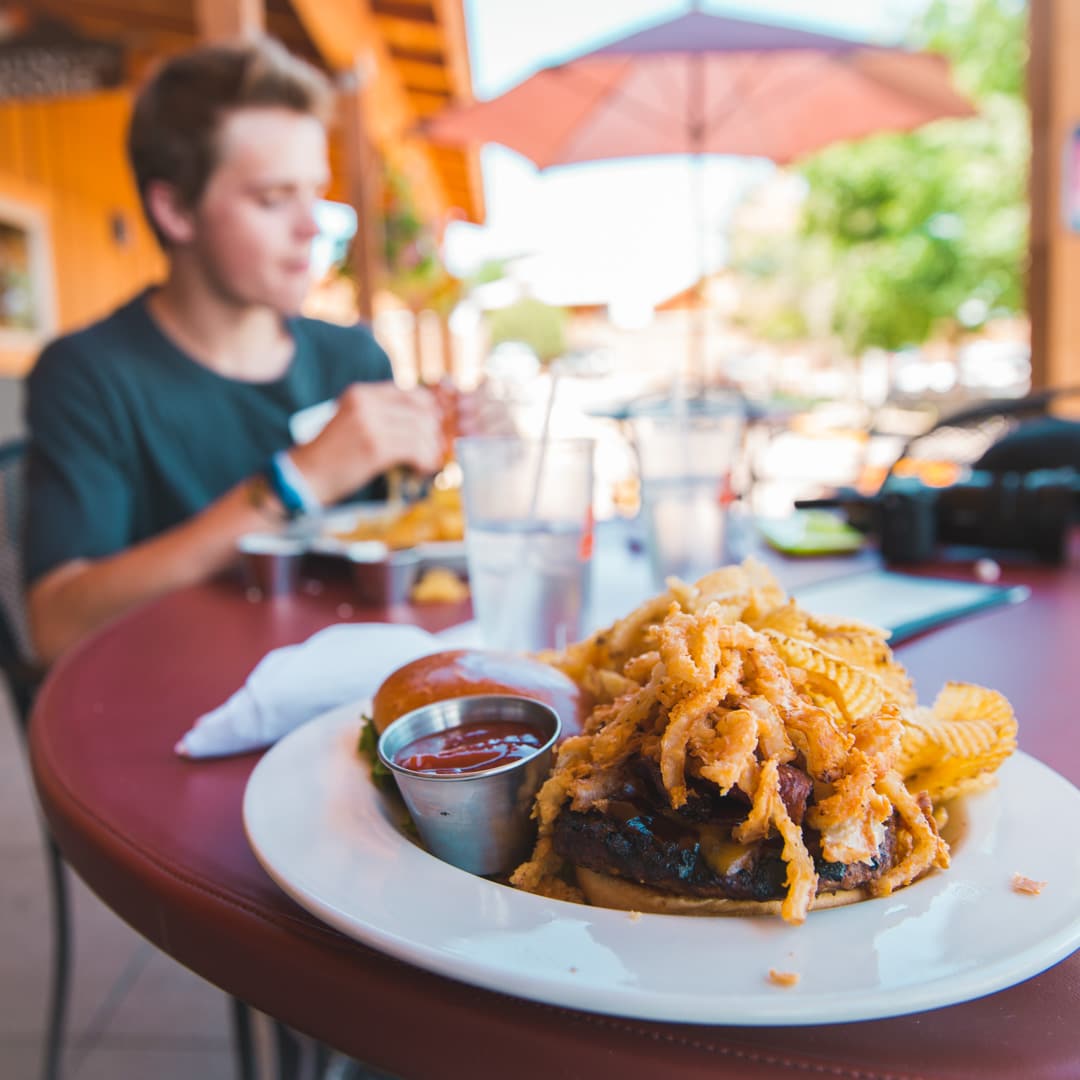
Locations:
(23, 677)
(1004, 435)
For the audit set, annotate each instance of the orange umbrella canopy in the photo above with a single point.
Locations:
(706, 84)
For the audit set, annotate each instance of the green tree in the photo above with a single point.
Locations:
(533, 323)
(919, 234)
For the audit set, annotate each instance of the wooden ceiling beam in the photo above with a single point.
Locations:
(128, 10)
(116, 20)
(287, 28)
(468, 183)
(346, 34)
(225, 20)
(451, 18)
(426, 77)
(427, 103)
(409, 34)
(434, 57)
(401, 9)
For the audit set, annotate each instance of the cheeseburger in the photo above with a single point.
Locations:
(744, 756)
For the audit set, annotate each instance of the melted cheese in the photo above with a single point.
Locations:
(723, 854)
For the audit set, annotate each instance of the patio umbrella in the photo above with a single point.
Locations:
(706, 84)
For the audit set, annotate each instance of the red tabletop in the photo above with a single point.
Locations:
(161, 841)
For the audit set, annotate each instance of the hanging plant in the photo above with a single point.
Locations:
(410, 251)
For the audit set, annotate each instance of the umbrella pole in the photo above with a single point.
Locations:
(695, 122)
(699, 359)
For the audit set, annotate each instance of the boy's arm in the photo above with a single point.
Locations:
(376, 426)
(74, 599)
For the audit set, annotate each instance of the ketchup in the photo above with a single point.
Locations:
(482, 744)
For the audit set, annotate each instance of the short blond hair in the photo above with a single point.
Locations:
(178, 113)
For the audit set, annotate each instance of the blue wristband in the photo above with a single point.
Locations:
(288, 484)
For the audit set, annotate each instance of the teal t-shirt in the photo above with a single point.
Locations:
(130, 436)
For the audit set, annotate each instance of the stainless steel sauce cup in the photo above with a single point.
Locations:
(386, 581)
(271, 562)
(479, 821)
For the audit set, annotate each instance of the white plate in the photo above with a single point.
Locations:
(441, 552)
(327, 837)
(320, 534)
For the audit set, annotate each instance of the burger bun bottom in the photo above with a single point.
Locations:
(603, 890)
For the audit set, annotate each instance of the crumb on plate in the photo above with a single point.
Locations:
(783, 978)
(1027, 885)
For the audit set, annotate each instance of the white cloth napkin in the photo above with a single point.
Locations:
(294, 684)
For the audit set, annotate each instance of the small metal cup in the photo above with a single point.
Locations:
(271, 562)
(480, 820)
(387, 581)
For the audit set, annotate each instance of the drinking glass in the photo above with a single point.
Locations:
(528, 537)
(687, 449)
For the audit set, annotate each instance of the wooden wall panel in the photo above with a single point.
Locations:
(1054, 278)
(1039, 79)
(70, 152)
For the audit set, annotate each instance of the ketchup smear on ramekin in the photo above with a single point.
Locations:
(473, 747)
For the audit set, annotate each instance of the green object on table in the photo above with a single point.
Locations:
(811, 532)
(366, 747)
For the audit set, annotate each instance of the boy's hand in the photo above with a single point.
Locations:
(376, 426)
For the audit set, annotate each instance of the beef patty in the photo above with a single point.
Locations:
(690, 852)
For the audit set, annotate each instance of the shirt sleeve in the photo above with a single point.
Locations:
(78, 494)
(373, 363)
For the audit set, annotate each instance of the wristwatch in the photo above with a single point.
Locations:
(263, 499)
(290, 486)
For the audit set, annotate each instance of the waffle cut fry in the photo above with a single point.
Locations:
(834, 683)
(953, 747)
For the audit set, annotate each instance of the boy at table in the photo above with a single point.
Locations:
(160, 434)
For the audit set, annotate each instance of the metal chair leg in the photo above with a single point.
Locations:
(242, 1042)
(299, 1057)
(61, 914)
(288, 1053)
